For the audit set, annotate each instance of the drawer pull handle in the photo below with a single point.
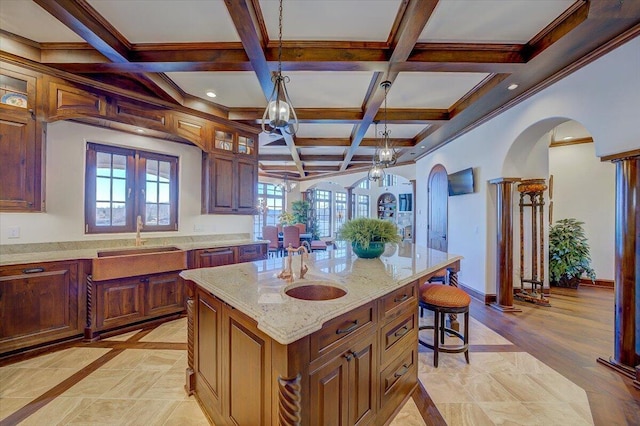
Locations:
(348, 329)
(401, 299)
(404, 330)
(402, 372)
(348, 356)
(32, 270)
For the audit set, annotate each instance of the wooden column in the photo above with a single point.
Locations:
(413, 207)
(504, 250)
(626, 350)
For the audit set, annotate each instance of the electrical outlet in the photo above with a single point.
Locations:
(13, 232)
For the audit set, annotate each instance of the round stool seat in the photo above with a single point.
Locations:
(444, 296)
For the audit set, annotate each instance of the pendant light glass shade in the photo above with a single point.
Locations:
(376, 173)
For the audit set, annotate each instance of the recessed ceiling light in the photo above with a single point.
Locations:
(566, 138)
(211, 94)
(139, 130)
(422, 147)
(512, 86)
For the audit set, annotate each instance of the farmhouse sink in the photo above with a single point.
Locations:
(314, 290)
(113, 264)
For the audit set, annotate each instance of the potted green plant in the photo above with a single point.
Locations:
(368, 236)
(568, 254)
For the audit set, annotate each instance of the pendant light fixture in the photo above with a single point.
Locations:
(385, 155)
(376, 173)
(279, 116)
(285, 185)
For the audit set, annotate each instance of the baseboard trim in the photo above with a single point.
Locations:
(487, 299)
(597, 283)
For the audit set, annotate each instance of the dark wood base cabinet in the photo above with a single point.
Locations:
(118, 303)
(341, 374)
(41, 304)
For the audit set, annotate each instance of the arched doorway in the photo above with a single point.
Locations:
(437, 217)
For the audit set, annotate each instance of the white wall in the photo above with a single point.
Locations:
(584, 188)
(603, 96)
(65, 165)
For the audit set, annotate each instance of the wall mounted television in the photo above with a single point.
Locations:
(461, 182)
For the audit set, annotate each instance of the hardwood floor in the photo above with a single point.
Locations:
(569, 336)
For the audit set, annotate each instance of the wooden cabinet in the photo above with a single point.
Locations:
(252, 252)
(206, 258)
(230, 173)
(343, 390)
(122, 302)
(357, 369)
(21, 142)
(228, 184)
(41, 303)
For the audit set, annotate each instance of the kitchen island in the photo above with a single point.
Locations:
(257, 356)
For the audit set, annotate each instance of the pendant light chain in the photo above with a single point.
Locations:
(280, 39)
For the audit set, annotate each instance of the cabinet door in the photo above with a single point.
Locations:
(246, 176)
(362, 382)
(329, 392)
(252, 252)
(222, 176)
(39, 304)
(249, 387)
(164, 294)
(207, 258)
(119, 302)
(207, 352)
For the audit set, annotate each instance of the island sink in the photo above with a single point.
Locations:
(314, 291)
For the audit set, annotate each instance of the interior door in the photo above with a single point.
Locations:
(438, 208)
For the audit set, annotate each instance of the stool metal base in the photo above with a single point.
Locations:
(439, 329)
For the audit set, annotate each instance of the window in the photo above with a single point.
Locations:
(271, 202)
(390, 180)
(364, 184)
(323, 212)
(340, 204)
(362, 206)
(121, 184)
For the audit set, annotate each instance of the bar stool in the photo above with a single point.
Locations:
(442, 300)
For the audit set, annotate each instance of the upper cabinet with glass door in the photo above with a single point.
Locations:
(233, 142)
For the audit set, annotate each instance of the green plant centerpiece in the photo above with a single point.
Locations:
(568, 254)
(286, 218)
(368, 236)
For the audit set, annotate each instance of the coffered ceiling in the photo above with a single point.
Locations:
(450, 61)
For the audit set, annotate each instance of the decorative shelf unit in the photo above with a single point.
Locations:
(387, 207)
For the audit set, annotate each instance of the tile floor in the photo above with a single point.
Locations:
(145, 386)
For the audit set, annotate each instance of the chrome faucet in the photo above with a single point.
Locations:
(139, 241)
(287, 273)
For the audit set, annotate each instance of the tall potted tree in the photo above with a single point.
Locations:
(568, 254)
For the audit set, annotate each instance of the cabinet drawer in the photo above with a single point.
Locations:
(250, 253)
(334, 331)
(399, 378)
(399, 335)
(400, 299)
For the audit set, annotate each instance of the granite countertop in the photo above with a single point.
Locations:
(76, 250)
(254, 289)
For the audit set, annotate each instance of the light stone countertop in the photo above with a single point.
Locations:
(254, 289)
(77, 250)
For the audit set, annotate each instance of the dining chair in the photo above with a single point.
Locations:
(302, 227)
(271, 233)
(291, 236)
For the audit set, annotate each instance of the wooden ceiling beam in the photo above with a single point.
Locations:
(365, 142)
(314, 158)
(82, 19)
(414, 18)
(348, 115)
(246, 17)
